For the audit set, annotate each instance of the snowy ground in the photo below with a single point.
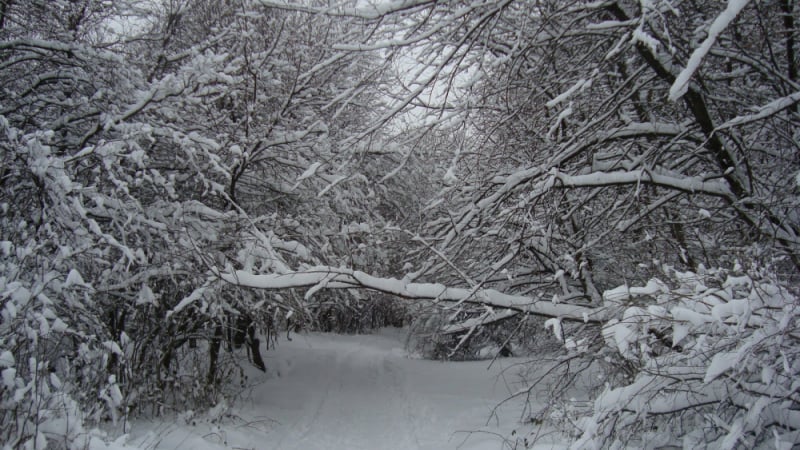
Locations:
(353, 392)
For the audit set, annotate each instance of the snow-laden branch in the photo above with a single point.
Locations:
(512, 182)
(716, 187)
(366, 11)
(763, 112)
(405, 41)
(484, 319)
(339, 278)
(681, 84)
(38, 43)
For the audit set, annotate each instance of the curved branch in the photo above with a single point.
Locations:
(713, 187)
(340, 278)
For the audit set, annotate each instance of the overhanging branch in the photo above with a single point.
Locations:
(715, 187)
(339, 278)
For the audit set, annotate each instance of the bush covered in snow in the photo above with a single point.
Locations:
(699, 360)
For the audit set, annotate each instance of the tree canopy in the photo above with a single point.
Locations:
(174, 172)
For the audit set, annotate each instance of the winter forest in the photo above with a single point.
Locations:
(609, 189)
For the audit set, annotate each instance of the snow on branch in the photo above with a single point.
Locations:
(366, 11)
(405, 41)
(38, 43)
(715, 187)
(763, 112)
(340, 278)
(681, 84)
(638, 129)
(513, 181)
(581, 85)
(487, 318)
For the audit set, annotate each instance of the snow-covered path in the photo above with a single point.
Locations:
(346, 395)
(332, 392)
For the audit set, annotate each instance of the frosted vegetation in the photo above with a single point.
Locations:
(612, 184)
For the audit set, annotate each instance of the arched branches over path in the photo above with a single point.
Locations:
(323, 277)
(587, 134)
(603, 144)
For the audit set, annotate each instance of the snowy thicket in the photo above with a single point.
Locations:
(143, 146)
(715, 358)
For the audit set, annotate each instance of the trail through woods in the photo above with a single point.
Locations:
(333, 392)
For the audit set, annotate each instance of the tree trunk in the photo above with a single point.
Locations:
(213, 355)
